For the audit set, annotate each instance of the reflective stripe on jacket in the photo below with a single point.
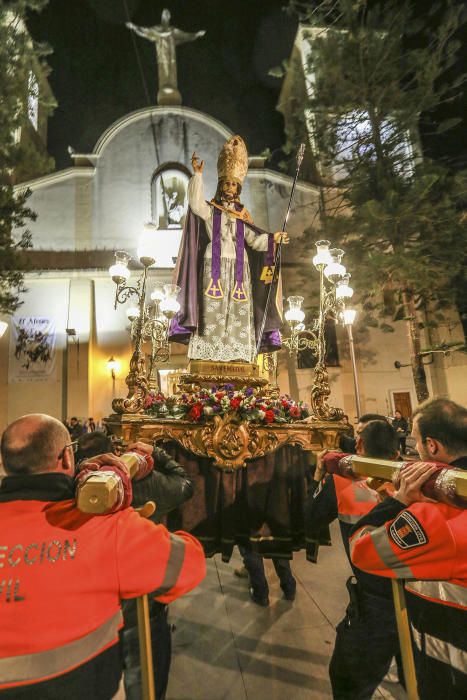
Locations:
(354, 498)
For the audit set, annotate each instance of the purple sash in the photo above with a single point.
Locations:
(267, 273)
(214, 289)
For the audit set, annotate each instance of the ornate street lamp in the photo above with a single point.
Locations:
(149, 322)
(334, 290)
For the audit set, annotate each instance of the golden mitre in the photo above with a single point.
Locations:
(232, 163)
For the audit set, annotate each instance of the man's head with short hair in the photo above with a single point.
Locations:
(440, 430)
(366, 418)
(34, 444)
(92, 444)
(379, 440)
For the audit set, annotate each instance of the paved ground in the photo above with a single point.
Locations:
(228, 648)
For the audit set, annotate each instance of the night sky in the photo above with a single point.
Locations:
(96, 79)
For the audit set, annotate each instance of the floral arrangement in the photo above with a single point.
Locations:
(248, 403)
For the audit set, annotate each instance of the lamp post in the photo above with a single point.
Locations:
(149, 322)
(349, 318)
(334, 290)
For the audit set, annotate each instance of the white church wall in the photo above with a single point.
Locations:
(54, 200)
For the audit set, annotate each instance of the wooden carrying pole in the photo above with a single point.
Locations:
(144, 628)
(405, 642)
(145, 648)
(386, 469)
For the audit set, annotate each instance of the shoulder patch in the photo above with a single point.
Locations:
(407, 532)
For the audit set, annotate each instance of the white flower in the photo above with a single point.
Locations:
(208, 410)
(261, 414)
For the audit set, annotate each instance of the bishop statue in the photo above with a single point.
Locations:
(225, 270)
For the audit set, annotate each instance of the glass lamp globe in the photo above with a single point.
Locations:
(169, 305)
(294, 314)
(323, 256)
(132, 313)
(343, 290)
(335, 270)
(158, 292)
(349, 316)
(119, 272)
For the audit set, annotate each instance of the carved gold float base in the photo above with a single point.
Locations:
(227, 440)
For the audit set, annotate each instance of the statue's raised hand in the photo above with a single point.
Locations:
(196, 164)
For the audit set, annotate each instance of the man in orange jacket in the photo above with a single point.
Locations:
(413, 538)
(368, 630)
(64, 572)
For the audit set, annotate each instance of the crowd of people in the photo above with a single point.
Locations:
(68, 589)
(77, 427)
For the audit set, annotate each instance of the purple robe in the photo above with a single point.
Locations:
(188, 275)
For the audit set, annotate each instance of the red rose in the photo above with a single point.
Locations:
(269, 416)
(148, 401)
(195, 412)
(235, 403)
(219, 395)
(295, 412)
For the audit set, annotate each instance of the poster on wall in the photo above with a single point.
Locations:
(32, 349)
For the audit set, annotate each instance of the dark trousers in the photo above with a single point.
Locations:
(254, 564)
(366, 642)
(402, 444)
(161, 640)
